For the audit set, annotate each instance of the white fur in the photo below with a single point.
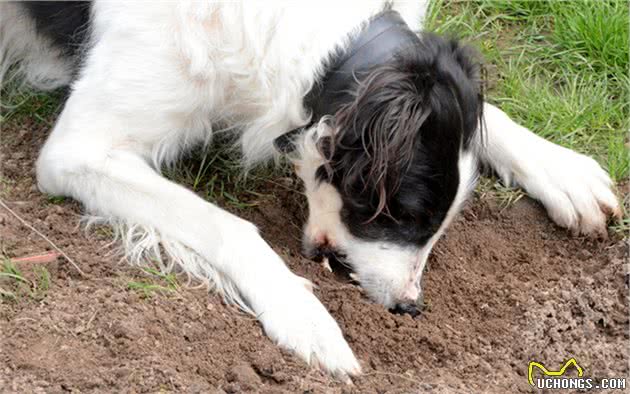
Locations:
(141, 244)
(161, 77)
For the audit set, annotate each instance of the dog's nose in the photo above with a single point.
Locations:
(319, 248)
(412, 308)
(406, 308)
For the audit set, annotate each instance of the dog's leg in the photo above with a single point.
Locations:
(574, 189)
(97, 156)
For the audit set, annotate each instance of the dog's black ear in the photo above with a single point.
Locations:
(411, 116)
(374, 135)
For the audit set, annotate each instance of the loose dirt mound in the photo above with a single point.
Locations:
(504, 287)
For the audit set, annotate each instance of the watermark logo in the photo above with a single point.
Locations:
(556, 380)
(546, 372)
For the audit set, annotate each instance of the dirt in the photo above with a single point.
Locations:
(503, 287)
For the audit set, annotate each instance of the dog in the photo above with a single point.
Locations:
(387, 129)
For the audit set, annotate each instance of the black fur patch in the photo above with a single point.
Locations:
(65, 23)
(394, 157)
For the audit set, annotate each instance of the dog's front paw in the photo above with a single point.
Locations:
(300, 323)
(575, 190)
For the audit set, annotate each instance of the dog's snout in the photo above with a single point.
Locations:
(321, 239)
(410, 307)
(407, 308)
(319, 247)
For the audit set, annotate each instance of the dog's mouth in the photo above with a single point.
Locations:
(336, 262)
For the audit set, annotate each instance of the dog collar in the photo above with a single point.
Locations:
(383, 37)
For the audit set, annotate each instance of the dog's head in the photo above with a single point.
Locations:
(387, 172)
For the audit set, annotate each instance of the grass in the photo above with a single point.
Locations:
(166, 283)
(622, 227)
(492, 188)
(19, 105)
(6, 184)
(14, 284)
(217, 175)
(56, 199)
(558, 68)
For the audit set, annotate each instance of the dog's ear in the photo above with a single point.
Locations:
(424, 103)
(375, 135)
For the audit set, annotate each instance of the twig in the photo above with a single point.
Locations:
(45, 238)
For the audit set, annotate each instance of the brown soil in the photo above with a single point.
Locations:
(504, 286)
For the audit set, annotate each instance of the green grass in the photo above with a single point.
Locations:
(56, 199)
(216, 174)
(6, 184)
(19, 105)
(622, 227)
(504, 195)
(11, 279)
(158, 283)
(559, 68)
(15, 285)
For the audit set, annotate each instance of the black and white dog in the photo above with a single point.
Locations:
(386, 129)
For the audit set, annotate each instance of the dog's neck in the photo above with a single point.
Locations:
(383, 37)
